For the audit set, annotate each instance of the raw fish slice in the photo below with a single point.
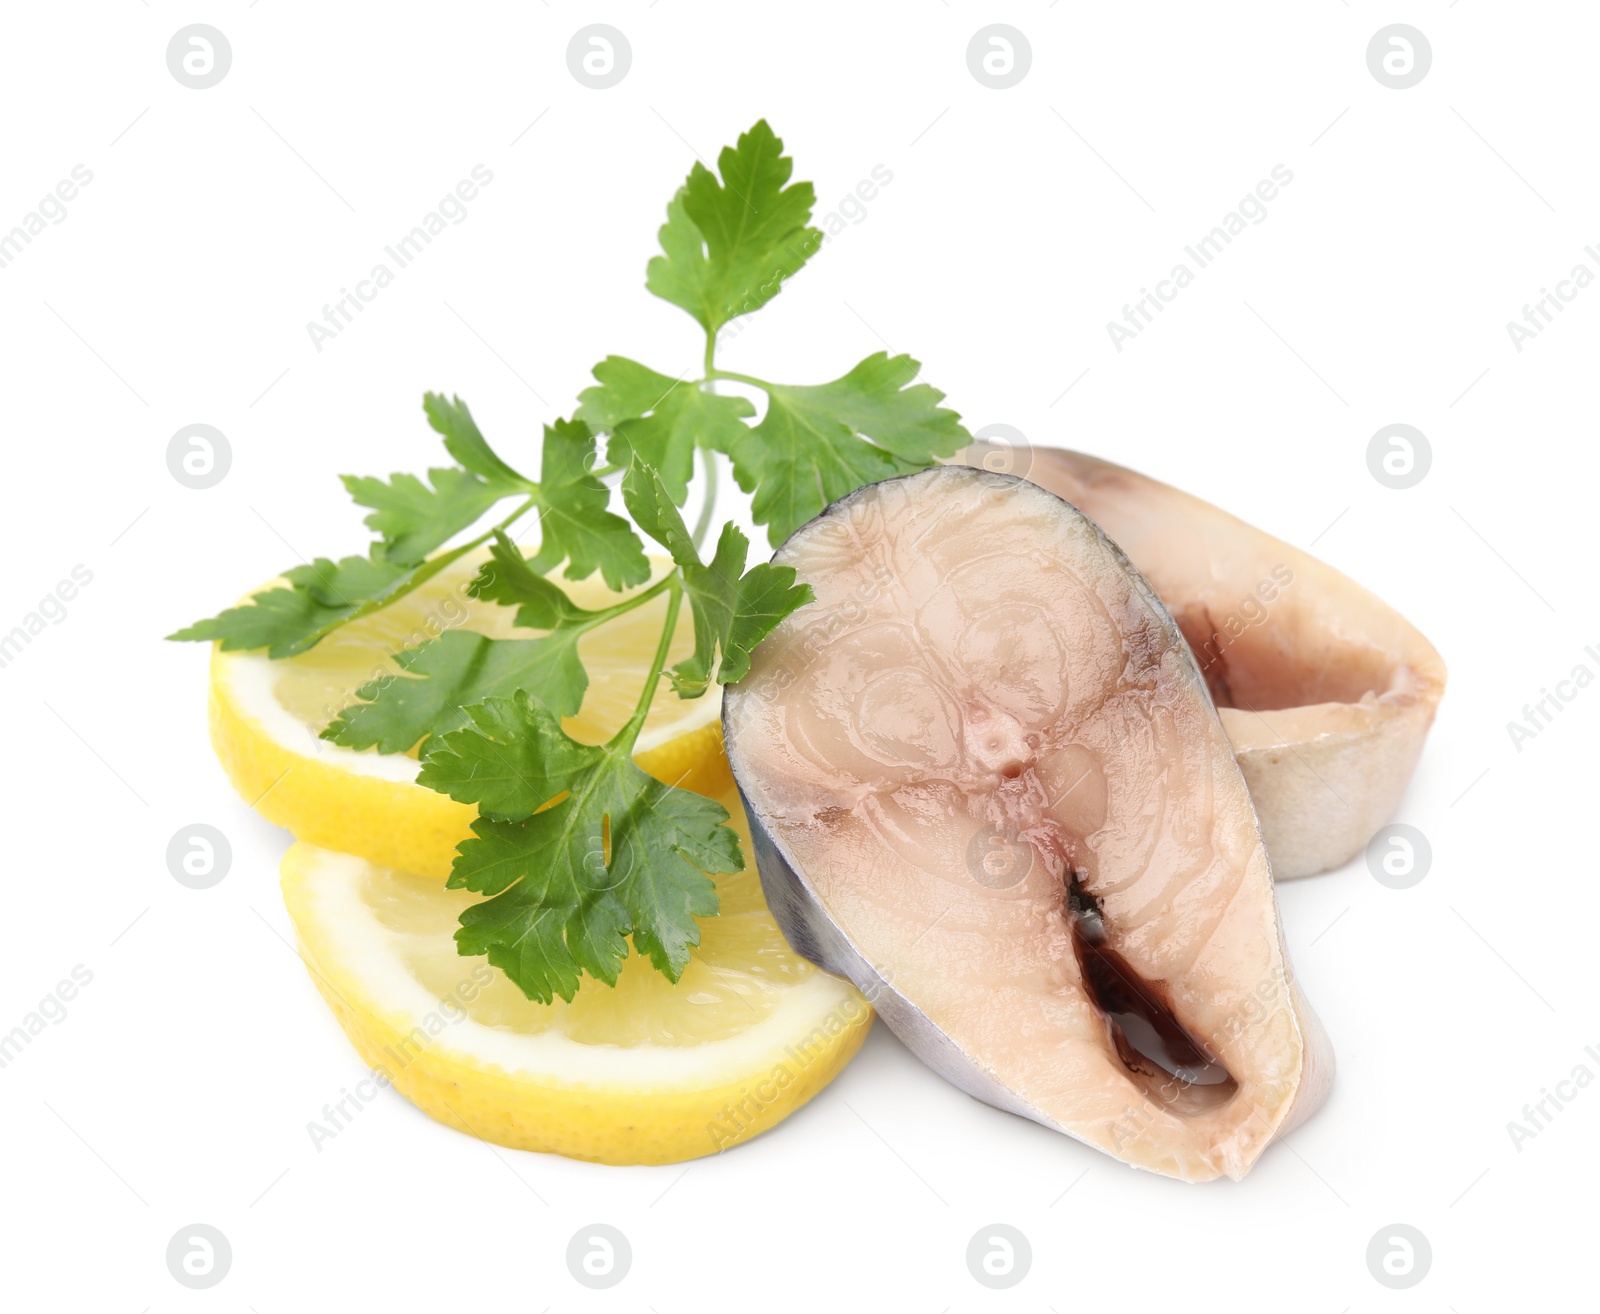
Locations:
(987, 784)
(1326, 692)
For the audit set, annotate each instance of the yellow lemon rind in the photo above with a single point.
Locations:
(636, 1120)
(391, 822)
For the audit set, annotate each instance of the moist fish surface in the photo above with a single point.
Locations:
(987, 784)
(1325, 691)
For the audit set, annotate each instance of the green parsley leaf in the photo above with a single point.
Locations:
(733, 611)
(453, 421)
(682, 275)
(807, 450)
(764, 595)
(573, 518)
(660, 419)
(579, 848)
(321, 597)
(796, 462)
(874, 400)
(414, 519)
(729, 246)
(651, 507)
(507, 579)
(444, 677)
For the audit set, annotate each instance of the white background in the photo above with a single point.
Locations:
(1018, 222)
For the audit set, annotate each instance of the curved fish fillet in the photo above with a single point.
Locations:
(1326, 692)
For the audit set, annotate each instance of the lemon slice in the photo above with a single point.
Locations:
(645, 1072)
(266, 715)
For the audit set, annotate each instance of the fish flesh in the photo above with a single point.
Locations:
(1326, 692)
(987, 784)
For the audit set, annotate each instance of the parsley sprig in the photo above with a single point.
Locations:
(577, 850)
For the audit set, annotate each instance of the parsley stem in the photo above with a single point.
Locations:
(596, 618)
(740, 378)
(629, 734)
(420, 575)
(708, 458)
(709, 472)
(508, 521)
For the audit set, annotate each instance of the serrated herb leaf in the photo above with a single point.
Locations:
(733, 611)
(729, 245)
(321, 597)
(573, 518)
(660, 419)
(714, 595)
(579, 847)
(452, 420)
(878, 399)
(507, 578)
(682, 274)
(444, 677)
(797, 461)
(651, 507)
(809, 451)
(765, 594)
(413, 518)
(576, 848)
